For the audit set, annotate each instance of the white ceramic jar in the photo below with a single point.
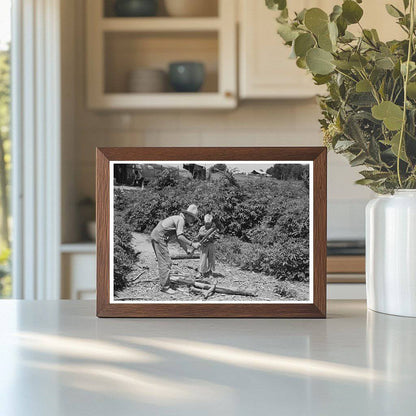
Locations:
(391, 253)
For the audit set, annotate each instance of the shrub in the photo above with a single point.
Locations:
(265, 221)
(286, 290)
(285, 259)
(166, 178)
(123, 252)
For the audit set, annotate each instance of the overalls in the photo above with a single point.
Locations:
(207, 260)
(160, 236)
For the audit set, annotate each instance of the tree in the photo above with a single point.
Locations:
(284, 172)
(222, 167)
(4, 143)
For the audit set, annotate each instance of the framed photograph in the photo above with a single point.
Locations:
(211, 232)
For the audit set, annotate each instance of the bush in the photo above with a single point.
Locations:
(287, 259)
(265, 221)
(123, 252)
(166, 178)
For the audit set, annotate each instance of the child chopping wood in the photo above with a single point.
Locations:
(207, 237)
(171, 226)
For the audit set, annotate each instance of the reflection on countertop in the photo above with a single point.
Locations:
(63, 360)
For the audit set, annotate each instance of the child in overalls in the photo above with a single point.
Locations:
(207, 260)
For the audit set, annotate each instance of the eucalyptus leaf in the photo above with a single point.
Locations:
(361, 99)
(412, 67)
(411, 90)
(343, 65)
(321, 79)
(342, 25)
(342, 145)
(374, 175)
(300, 17)
(303, 43)
(325, 42)
(276, 4)
(333, 32)
(358, 61)
(286, 32)
(363, 86)
(301, 63)
(358, 160)
(394, 144)
(375, 35)
(393, 11)
(368, 35)
(316, 20)
(319, 61)
(347, 37)
(364, 181)
(336, 12)
(374, 150)
(391, 114)
(351, 11)
(385, 63)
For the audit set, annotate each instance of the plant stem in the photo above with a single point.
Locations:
(345, 75)
(406, 80)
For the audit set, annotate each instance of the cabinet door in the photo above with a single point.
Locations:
(265, 68)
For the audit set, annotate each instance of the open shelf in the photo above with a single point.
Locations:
(127, 51)
(160, 24)
(211, 10)
(162, 101)
(116, 46)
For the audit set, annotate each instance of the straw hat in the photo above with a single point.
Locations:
(192, 210)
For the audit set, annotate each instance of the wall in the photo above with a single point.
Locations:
(265, 123)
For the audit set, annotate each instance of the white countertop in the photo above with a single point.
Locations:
(57, 359)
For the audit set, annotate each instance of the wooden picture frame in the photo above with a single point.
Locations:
(314, 308)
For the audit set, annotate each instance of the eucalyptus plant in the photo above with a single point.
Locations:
(369, 112)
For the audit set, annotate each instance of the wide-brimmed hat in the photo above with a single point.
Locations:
(192, 210)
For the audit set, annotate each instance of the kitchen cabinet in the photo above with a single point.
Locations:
(116, 46)
(265, 70)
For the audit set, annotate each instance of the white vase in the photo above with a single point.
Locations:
(391, 253)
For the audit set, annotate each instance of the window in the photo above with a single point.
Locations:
(5, 145)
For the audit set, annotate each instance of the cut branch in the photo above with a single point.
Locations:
(205, 286)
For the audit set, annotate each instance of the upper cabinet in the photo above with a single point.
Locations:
(265, 70)
(128, 58)
(264, 65)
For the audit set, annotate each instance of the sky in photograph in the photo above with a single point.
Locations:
(5, 20)
(240, 167)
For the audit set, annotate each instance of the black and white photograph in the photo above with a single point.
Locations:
(211, 232)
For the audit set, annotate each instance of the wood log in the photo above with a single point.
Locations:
(218, 289)
(185, 257)
(211, 290)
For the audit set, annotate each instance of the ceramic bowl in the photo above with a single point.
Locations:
(186, 76)
(136, 8)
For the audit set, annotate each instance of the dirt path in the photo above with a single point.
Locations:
(147, 287)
